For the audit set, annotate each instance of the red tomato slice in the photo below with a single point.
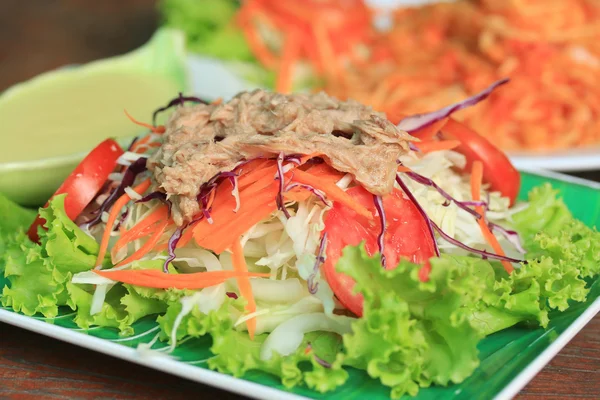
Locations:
(498, 171)
(407, 236)
(82, 185)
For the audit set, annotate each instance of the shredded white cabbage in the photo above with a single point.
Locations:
(454, 221)
(278, 291)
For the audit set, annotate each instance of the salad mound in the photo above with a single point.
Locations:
(289, 258)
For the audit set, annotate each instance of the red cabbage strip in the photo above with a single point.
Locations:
(511, 236)
(318, 359)
(418, 121)
(280, 176)
(381, 238)
(122, 219)
(174, 239)
(320, 195)
(176, 101)
(172, 244)
(232, 295)
(464, 205)
(421, 211)
(484, 254)
(160, 196)
(432, 225)
(136, 168)
(312, 285)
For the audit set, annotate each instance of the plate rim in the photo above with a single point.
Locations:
(259, 391)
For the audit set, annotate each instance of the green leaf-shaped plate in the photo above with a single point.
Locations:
(509, 359)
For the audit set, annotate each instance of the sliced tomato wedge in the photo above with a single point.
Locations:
(406, 237)
(82, 185)
(498, 171)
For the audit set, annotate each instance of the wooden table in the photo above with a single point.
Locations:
(38, 35)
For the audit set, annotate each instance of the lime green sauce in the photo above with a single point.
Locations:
(72, 113)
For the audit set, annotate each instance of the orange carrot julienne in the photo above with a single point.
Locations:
(160, 280)
(429, 132)
(155, 129)
(112, 217)
(239, 265)
(402, 168)
(333, 192)
(142, 228)
(146, 247)
(476, 178)
(437, 145)
(286, 67)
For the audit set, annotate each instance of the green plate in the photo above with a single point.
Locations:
(509, 359)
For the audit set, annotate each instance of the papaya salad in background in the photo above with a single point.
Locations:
(306, 236)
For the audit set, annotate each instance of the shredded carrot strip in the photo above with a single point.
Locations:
(476, 178)
(112, 217)
(239, 265)
(155, 129)
(430, 131)
(291, 51)
(217, 101)
(332, 192)
(149, 245)
(437, 145)
(260, 50)
(142, 228)
(160, 280)
(402, 168)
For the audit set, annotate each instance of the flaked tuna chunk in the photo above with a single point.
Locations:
(202, 140)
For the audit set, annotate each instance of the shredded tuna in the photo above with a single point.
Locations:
(203, 140)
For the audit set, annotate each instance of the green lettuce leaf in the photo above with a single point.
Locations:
(14, 217)
(413, 334)
(235, 354)
(37, 274)
(209, 27)
(124, 304)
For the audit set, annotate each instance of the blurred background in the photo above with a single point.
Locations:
(40, 35)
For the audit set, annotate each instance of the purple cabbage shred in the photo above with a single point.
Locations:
(421, 211)
(160, 196)
(418, 121)
(381, 237)
(312, 285)
(432, 225)
(136, 168)
(179, 100)
(280, 176)
(319, 194)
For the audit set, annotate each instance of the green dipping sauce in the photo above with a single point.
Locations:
(71, 115)
(49, 123)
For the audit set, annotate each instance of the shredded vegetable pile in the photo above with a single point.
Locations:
(295, 269)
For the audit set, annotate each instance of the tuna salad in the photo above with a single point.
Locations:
(202, 140)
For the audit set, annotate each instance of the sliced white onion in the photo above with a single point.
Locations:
(278, 291)
(287, 337)
(92, 278)
(204, 257)
(344, 181)
(132, 193)
(98, 298)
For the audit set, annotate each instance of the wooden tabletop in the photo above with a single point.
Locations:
(38, 35)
